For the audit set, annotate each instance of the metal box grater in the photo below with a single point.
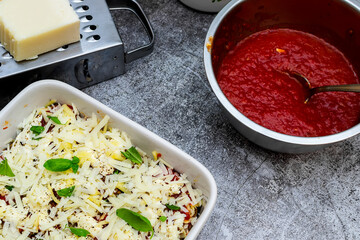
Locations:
(97, 57)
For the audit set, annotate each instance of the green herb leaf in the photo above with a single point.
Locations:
(55, 119)
(116, 171)
(172, 207)
(133, 155)
(9, 187)
(37, 139)
(163, 218)
(66, 192)
(58, 164)
(79, 232)
(37, 129)
(75, 160)
(62, 164)
(75, 164)
(75, 167)
(136, 220)
(5, 169)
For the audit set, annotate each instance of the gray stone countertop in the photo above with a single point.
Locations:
(261, 194)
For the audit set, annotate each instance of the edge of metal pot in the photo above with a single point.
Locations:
(254, 132)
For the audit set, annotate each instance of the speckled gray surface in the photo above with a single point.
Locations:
(261, 194)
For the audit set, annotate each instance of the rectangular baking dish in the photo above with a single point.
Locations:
(39, 93)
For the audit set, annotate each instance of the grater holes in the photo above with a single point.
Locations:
(6, 55)
(82, 9)
(93, 38)
(86, 18)
(63, 48)
(86, 71)
(89, 28)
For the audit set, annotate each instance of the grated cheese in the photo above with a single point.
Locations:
(104, 182)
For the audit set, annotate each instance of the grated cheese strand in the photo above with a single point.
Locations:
(104, 182)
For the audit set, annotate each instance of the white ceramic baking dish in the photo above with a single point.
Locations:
(39, 93)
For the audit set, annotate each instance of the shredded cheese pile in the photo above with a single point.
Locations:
(104, 182)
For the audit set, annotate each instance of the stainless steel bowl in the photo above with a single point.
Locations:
(336, 21)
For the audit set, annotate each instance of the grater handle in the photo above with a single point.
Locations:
(133, 6)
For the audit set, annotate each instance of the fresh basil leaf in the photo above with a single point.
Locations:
(79, 232)
(163, 218)
(58, 164)
(37, 129)
(133, 155)
(136, 220)
(116, 171)
(54, 119)
(9, 187)
(66, 192)
(172, 207)
(75, 160)
(75, 164)
(62, 164)
(5, 169)
(75, 167)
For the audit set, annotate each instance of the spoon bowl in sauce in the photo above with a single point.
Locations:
(328, 118)
(310, 91)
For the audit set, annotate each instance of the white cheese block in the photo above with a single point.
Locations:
(32, 27)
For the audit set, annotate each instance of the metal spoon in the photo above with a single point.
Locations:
(310, 91)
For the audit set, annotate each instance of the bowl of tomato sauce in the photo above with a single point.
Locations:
(250, 48)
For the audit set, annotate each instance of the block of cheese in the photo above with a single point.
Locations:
(32, 27)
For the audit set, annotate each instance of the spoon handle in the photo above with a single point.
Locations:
(338, 88)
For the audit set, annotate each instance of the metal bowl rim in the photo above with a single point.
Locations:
(322, 140)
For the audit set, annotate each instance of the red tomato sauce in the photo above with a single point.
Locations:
(251, 76)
